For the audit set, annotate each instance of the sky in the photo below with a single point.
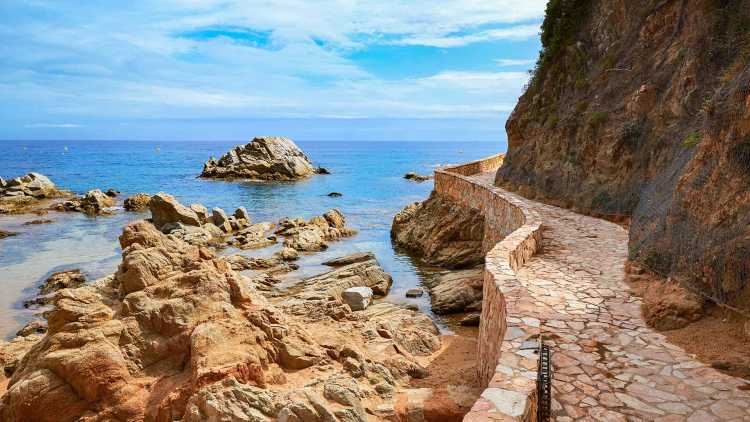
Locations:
(229, 70)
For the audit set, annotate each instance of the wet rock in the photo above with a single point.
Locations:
(350, 259)
(441, 232)
(137, 202)
(4, 234)
(37, 222)
(335, 195)
(456, 291)
(416, 177)
(112, 193)
(166, 209)
(265, 158)
(322, 170)
(358, 298)
(414, 293)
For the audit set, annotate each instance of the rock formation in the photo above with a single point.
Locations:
(440, 232)
(33, 185)
(176, 334)
(313, 235)
(265, 158)
(414, 177)
(21, 194)
(95, 202)
(643, 110)
(457, 291)
(137, 202)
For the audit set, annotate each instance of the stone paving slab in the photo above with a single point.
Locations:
(608, 364)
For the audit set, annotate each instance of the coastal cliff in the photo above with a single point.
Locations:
(641, 110)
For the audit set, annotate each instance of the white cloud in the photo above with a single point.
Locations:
(515, 62)
(114, 62)
(513, 33)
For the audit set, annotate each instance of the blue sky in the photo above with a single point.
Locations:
(215, 69)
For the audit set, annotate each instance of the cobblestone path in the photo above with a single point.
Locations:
(608, 365)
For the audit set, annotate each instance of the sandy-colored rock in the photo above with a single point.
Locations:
(358, 298)
(456, 291)
(166, 209)
(440, 232)
(265, 158)
(313, 235)
(668, 306)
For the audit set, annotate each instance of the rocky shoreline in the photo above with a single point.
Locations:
(181, 333)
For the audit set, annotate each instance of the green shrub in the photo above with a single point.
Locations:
(598, 118)
(631, 132)
(692, 140)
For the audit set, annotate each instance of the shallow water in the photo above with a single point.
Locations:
(368, 174)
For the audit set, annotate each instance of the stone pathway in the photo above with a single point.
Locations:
(608, 365)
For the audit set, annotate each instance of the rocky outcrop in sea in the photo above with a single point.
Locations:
(440, 232)
(21, 193)
(264, 158)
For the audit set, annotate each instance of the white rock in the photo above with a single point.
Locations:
(358, 298)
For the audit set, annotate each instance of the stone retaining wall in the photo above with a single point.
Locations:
(512, 236)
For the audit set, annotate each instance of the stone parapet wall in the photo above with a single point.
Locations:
(512, 236)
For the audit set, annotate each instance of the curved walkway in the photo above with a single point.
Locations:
(608, 365)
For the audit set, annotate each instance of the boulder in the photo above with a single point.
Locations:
(288, 254)
(112, 193)
(33, 185)
(335, 195)
(220, 219)
(456, 291)
(241, 213)
(166, 209)
(414, 177)
(322, 170)
(350, 259)
(264, 158)
(314, 234)
(254, 236)
(414, 293)
(201, 212)
(39, 185)
(63, 280)
(441, 232)
(669, 306)
(137, 202)
(358, 298)
(95, 201)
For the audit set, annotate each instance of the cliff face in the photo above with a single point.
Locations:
(642, 108)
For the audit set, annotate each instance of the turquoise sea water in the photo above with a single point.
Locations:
(368, 174)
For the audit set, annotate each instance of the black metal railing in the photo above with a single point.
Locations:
(544, 384)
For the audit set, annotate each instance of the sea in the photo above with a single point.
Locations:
(369, 175)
